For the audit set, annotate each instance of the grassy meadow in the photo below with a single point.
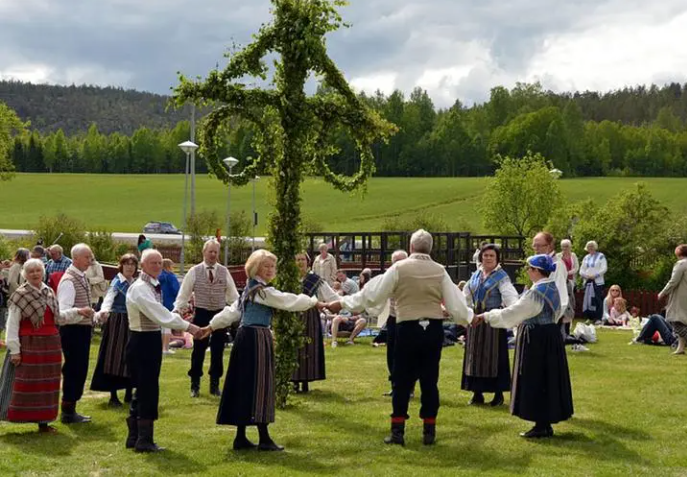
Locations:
(124, 203)
(630, 410)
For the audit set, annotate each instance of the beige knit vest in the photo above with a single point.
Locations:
(418, 290)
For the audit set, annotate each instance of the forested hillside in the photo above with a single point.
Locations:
(630, 132)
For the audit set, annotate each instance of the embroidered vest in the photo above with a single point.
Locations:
(545, 293)
(82, 298)
(210, 296)
(486, 294)
(252, 313)
(119, 305)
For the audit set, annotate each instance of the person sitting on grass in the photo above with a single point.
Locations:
(619, 315)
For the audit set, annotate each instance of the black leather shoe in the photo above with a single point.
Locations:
(214, 388)
(396, 436)
(537, 433)
(476, 399)
(497, 401)
(75, 418)
(270, 447)
(429, 434)
(115, 403)
(243, 444)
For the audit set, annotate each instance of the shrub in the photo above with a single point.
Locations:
(62, 229)
(104, 248)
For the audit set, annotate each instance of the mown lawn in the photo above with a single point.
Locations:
(124, 203)
(630, 414)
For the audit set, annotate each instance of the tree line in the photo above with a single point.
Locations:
(631, 132)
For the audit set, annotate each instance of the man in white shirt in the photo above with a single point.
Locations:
(74, 297)
(147, 315)
(544, 243)
(213, 289)
(418, 285)
(348, 285)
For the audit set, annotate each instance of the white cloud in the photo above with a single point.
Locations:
(384, 82)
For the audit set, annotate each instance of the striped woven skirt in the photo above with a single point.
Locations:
(111, 371)
(486, 366)
(248, 396)
(30, 392)
(311, 355)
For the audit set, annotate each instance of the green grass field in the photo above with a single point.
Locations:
(124, 203)
(630, 410)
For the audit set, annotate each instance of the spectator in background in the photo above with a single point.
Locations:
(169, 283)
(364, 277)
(39, 252)
(57, 263)
(348, 286)
(143, 244)
(97, 282)
(592, 271)
(572, 265)
(325, 265)
(14, 276)
(346, 321)
(614, 292)
(619, 315)
(676, 291)
(475, 256)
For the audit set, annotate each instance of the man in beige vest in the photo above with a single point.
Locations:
(213, 289)
(418, 285)
(147, 315)
(74, 297)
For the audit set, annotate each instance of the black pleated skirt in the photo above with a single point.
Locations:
(541, 381)
(248, 397)
(111, 372)
(487, 384)
(311, 355)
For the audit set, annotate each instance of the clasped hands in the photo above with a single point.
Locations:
(477, 320)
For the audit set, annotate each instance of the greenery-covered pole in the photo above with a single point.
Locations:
(293, 132)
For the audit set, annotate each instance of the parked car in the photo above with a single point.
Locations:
(160, 228)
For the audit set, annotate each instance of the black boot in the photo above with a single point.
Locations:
(498, 399)
(540, 429)
(429, 432)
(214, 387)
(477, 398)
(304, 387)
(132, 437)
(266, 442)
(241, 442)
(398, 429)
(129, 395)
(114, 400)
(145, 442)
(70, 416)
(195, 387)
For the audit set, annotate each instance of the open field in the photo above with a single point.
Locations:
(630, 410)
(124, 203)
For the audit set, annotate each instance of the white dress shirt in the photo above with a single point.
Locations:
(377, 292)
(66, 294)
(268, 296)
(189, 281)
(141, 299)
(518, 312)
(14, 319)
(560, 276)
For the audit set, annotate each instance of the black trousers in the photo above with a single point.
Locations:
(216, 341)
(76, 347)
(417, 356)
(390, 344)
(144, 360)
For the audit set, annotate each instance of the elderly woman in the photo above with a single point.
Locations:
(676, 291)
(592, 271)
(541, 381)
(572, 265)
(486, 367)
(248, 398)
(325, 265)
(111, 373)
(30, 383)
(311, 355)
(14, 274)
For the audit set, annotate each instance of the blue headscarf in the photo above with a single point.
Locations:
(542, 262)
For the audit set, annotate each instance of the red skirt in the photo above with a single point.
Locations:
(36, 387)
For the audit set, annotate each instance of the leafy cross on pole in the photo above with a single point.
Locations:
(293, 132)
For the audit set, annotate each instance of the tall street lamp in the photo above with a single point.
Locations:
(189, 148)
(230, 162)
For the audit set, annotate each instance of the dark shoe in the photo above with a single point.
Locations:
(397, 432)
(132, 424)
(476, 399)
(389, 393)
(214, 388)
(195, 388)
(305, 388)
(270, 446)
(243, 444)
(538, 432)
(74, 418)
(497, 401)
(145, 442)
(429, 434)
(46, 429)
(115, 403)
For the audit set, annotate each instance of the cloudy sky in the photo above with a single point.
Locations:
(452, 48)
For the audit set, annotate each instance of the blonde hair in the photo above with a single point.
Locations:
(608, 295)
(255, 260)
(167, 264)
(620, 305)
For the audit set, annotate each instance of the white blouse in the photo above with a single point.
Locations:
(521, 310)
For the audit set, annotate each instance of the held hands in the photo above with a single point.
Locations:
(321, 305)
(477, 320)
(102, 316)
(86, 312)
(15, 359)
(204, 333)
(194, 330)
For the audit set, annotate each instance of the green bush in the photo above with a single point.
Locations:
(6, 249)
(239, 247)
(201, 226)
(61, 229)
(104, 248)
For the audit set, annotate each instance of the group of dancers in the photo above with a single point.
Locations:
(43, 326)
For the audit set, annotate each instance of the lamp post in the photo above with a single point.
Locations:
(230, 162)
(255, 215)
(189, 149)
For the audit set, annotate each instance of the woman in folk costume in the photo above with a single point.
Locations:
(30, 383)
(311, 355)
(111, 372)
(486, 367)
(248, 398)
(541, 381)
